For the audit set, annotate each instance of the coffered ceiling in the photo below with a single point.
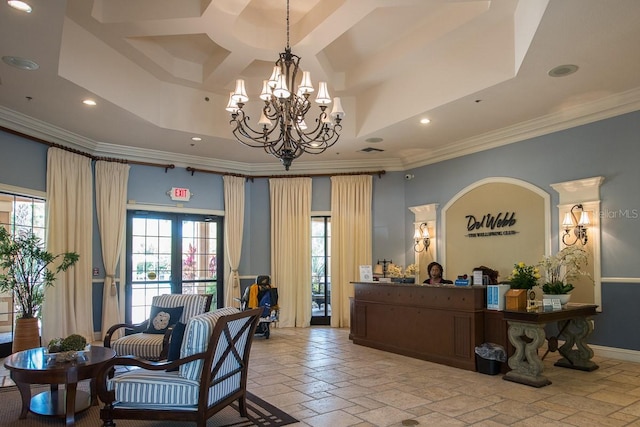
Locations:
(161, 72)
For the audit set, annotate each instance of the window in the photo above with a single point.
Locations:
(23, 213)
(19, 214)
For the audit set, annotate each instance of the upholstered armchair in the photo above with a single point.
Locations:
(150, 339)
(210, 374)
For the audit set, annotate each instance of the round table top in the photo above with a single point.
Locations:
(38, 359)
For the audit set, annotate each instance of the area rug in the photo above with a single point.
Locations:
(260, 413)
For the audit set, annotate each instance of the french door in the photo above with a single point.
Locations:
(171, 253)
(320, 270)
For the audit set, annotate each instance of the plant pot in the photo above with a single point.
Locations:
(26, 335)
(564, 298)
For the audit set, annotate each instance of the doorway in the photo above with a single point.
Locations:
(171, 253)
(320, 270)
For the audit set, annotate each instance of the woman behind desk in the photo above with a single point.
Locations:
(435, 275)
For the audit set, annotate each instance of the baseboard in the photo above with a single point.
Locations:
(616, 353)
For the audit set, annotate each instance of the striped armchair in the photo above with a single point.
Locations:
(210, 374)
(155, 346)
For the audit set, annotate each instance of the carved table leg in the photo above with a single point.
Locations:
(526, 366)
(25, 393)
(575, 333)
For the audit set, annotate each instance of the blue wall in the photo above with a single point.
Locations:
(608, 148)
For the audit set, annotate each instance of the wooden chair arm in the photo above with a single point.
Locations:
(166, 341)
(129, 327)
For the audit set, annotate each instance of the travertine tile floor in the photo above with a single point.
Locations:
(320, 377)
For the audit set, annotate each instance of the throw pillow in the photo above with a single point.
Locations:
(163, 317)
(176, 342)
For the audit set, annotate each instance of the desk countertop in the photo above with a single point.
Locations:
(540, 316)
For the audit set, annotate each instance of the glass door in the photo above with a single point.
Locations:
(171, 253)
(320, 270)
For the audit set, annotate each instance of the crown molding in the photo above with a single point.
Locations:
(26, 125)
(594, 111)
(601, 109)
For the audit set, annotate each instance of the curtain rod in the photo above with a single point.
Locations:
(307, 175)
(92, 157)
(189, 168)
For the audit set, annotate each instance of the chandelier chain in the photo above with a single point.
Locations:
(288, 47)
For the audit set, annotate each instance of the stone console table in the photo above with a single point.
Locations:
(526, 332)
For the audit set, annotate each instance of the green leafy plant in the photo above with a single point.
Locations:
(557, 288)
(25, 270)
(73, 342)
(524, 276)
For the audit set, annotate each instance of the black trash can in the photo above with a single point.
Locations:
(489, 358)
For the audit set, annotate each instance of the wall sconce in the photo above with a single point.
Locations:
(381, 267)
(579, 226)
(421, 236)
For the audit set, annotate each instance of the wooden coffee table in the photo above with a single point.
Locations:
(34, 367)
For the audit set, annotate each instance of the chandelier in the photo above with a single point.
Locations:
(282, 129)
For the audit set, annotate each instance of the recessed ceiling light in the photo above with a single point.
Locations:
(374, 139)
(425, 121)
(89, 102)
(563, 70)
(20, 5)
(23, 64)
(196, 138)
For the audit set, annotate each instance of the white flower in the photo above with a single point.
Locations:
(394, 270)
(566, 265)
(411, 270)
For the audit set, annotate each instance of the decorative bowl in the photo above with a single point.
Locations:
(66, 356)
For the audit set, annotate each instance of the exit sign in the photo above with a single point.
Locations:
(181, 194)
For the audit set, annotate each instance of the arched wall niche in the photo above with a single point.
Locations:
(495, 222)
(425, 214)
(585, 192)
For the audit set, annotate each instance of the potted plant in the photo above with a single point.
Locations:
(524, 276)
(560, 269)
(26, 273)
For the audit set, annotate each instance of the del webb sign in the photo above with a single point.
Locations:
(491, 225)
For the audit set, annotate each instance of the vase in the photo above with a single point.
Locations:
(26, 335)
(564, 298)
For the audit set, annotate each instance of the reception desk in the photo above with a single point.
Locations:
(441, 324)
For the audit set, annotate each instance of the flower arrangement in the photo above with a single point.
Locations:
(563, 267)
(524, 276)
(394, 270)
(411, 270)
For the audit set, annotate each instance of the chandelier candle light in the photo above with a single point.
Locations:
(283, 131)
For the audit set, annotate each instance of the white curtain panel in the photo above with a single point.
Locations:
(111, 207)
(350, 240)
(68, 304)
(291, 248)
(233, 232)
